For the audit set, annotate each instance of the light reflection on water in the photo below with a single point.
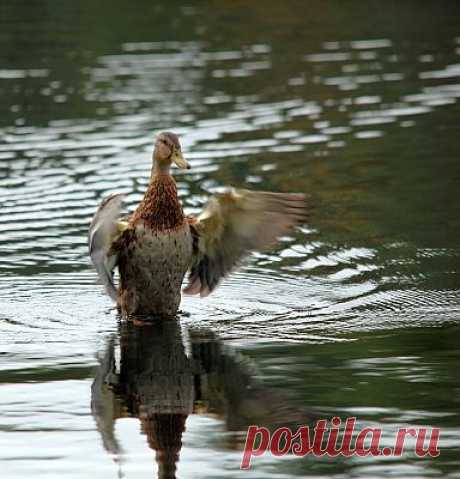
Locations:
(346, 315)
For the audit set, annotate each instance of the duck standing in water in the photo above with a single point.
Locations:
(157, 244)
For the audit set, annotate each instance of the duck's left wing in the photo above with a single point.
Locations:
(104, 229)
(233, 224)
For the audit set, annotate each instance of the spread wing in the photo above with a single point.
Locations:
(104, 229)
(233, 224)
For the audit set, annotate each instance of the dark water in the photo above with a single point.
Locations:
(354, 103)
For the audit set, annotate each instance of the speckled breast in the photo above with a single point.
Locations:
(152, 267)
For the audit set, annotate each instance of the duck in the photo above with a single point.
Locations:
(156, 245)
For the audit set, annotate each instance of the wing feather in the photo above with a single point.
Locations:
(233, 224)
(104, 229)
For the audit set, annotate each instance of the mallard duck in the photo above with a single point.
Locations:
(157, 244)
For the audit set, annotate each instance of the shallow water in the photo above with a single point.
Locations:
(355, 314)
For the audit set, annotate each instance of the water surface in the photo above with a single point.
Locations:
(356, 313)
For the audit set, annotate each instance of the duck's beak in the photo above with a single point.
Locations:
(179, 160)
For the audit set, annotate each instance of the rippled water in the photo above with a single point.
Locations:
(355, 314)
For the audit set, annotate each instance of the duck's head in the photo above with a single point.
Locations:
(167, 150)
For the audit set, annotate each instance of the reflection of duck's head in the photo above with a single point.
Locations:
(164, 435)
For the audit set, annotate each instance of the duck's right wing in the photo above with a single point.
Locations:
(104, 229)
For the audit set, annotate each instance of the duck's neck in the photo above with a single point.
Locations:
(160, 208)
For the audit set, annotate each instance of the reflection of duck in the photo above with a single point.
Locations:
(157, 244)
(161, 381)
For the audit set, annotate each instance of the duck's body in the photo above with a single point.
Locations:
(152, 267)
(157, 244)
(154, 253)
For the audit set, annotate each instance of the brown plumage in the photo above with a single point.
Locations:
(157, 244)
(160, 208)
